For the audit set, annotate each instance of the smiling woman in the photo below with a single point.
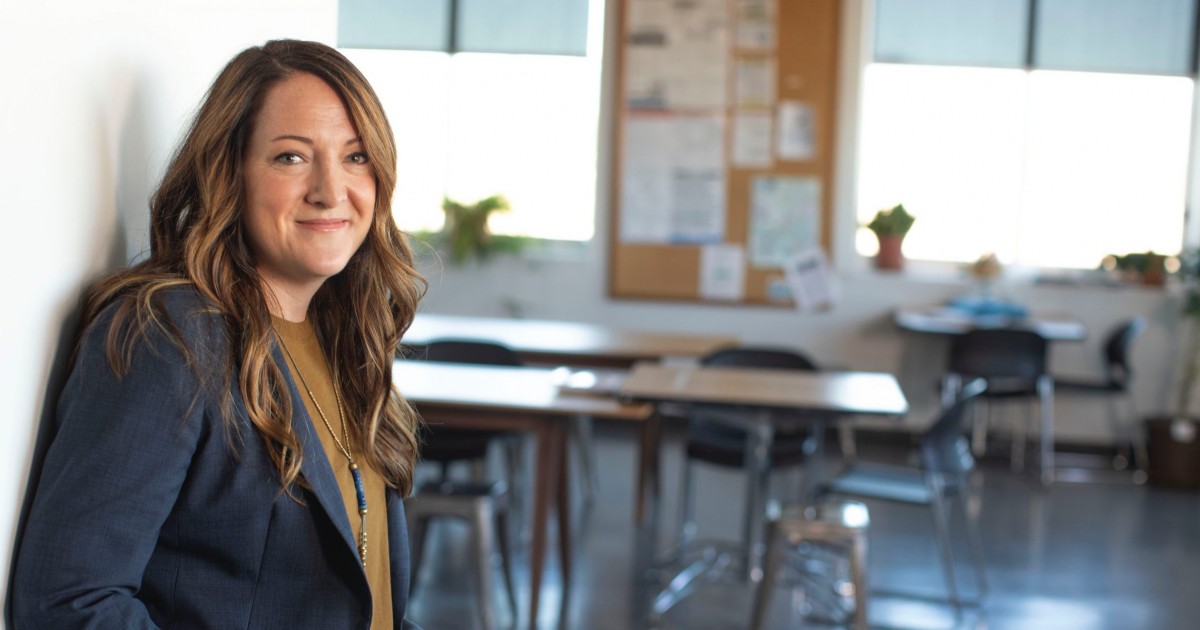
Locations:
(215, 463)
(310, 191)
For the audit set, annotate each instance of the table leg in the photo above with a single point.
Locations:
(548, 455)
(757, 475)
(645, 516)
(647, 488)
(563, 509)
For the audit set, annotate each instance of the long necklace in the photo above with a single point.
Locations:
(354, 472)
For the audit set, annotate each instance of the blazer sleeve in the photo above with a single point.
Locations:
(111, 477)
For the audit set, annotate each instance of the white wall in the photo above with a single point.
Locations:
(93, 99)
(96, 93)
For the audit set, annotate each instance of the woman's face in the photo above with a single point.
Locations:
(310, 192)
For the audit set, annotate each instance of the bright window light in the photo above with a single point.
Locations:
(1043, 168)
(472, 125)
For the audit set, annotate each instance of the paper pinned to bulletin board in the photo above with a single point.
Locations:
(796, 140)
(723, 272)
(811, 282)
(785, 218)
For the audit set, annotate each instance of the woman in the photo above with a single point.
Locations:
(230, 450)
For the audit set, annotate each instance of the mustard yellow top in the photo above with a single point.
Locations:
(302, 342)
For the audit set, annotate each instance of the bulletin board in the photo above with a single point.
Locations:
(724, 146)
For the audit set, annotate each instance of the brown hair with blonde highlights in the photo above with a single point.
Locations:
(197, 239)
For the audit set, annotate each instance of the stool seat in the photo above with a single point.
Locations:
(839, 524)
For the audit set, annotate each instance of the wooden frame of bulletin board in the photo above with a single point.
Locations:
(723, 154)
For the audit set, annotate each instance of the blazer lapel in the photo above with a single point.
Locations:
(315, 465)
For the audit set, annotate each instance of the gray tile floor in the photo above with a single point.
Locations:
(1073, 556)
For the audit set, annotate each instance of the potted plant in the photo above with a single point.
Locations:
(890, 225)
(1145, 268)
(466, 234)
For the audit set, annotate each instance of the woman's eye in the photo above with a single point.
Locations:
(358, 158)
(288, 158)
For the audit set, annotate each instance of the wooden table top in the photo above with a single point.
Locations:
(564, 340)
(871, 393)
(941, 320)
(503, 388)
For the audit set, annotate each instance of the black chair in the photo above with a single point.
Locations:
(945, 462)
(712, 438)
(445, 445)
(1014, 364)
(711, 441)
(1115, 384)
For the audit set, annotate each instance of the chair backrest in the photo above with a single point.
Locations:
(944, 447)
(1116, 351)
(469, 351)
(998, 353)
(760, 357)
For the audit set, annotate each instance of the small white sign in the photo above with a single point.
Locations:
(808, 274)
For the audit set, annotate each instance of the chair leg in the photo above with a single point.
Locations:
(979, 427)
(942, 530)
(1045, 386)
(766, 586)
(687, 522)
(478, 469)
(481, 543)
(416, 533)
(846, 442)
(506, 563)
(974, 538)
(1120, 431)
(582, 428)
(1141, 457)
(1020, 429)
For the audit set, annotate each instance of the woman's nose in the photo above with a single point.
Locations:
(327, 185)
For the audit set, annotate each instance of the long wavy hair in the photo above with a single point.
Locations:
(197, 239)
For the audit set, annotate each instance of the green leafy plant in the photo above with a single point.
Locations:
(895, 221)
(1147, 267)
(466, 235)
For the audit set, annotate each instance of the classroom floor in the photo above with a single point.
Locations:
(1075, 556)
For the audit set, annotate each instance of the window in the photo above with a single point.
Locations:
(1044, 168)
(1030, 158)
(471, 125)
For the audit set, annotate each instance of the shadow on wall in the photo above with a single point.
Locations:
(46, 429)
(121, 182)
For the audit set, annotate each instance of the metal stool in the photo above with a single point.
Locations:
(481, 504)
(842, 525)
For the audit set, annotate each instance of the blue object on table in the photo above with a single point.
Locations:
(976, 305)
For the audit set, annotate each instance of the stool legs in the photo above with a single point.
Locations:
(839, 524)
(486, 516)
(766, 588)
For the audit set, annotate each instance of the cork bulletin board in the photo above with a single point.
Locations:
(723, 154)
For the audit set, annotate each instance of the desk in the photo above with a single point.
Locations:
(515, 399)
(564, 343)
(833, 395)
(947, 321)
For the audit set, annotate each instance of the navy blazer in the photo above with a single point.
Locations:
(151, 513)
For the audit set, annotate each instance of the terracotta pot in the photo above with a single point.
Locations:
(1156, 272)
(890, 256)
